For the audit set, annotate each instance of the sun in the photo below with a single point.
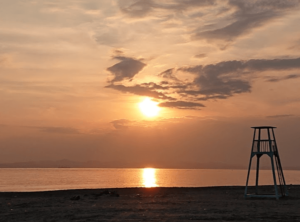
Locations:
(149, 108)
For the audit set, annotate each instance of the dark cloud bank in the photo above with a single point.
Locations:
(213, 81)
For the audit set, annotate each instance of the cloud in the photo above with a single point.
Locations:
(210, 82)
(277, 79)
(280, 116)
(221, 22)
(182, 5)
(214, 97)
(238, 67)
(248, 16)
(200, 56)
(141, 91)
(32, 87)
(217, 80)
(59, 130)
(218, 88)
(217, 85)
(275, 64)
(127, 68)
(235, 29)
(223, 79)
(121, 123)
(142, 8)
(181, 105)
(118, 52)
(137, 8)
(168, 74)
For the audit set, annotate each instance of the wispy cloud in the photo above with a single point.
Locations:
(140, 90)
(121, 124)
(181, 105)
(137, 8)
(280, 116)
(58, 130)
(169, 74)
(247, 16)
(141, 8)
(278, 79)
(200, 56)
(220, 22)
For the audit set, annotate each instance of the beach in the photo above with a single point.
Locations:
(149, 204)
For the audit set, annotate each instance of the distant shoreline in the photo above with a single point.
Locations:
(183, 168)
(65, 163)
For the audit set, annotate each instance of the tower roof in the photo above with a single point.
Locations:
(263, 127)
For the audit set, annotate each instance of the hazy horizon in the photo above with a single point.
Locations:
(148, 82)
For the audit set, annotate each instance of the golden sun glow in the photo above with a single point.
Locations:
(149, 108)
(149, 178)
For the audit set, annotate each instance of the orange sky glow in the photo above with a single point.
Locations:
(169, 83)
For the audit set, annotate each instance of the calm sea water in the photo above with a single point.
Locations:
(83, 178)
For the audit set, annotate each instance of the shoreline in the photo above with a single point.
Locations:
(157, 187)
(222, 203)
(297, 186)
(121, 188)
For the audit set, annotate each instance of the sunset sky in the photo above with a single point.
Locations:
(73, 74)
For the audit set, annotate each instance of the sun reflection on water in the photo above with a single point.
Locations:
(149, 177)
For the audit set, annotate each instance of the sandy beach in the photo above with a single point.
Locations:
(148, 204)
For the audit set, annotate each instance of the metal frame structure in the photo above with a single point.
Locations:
(269, 147)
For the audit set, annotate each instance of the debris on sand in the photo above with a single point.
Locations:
(75, 198)
(107, 193)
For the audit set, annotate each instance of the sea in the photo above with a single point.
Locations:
(46, 179)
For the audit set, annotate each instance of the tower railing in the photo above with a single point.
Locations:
(264, 146)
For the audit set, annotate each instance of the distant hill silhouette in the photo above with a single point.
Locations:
(97, 164)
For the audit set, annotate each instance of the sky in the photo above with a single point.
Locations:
(73, 73)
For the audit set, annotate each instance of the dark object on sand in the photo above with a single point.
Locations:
(113, 194)
(75, 198)
(269, 147)
(107, 192)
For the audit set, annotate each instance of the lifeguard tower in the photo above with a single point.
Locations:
(266, 146)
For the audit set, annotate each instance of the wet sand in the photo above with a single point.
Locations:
(148, 204)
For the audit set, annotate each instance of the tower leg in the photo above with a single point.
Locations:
(279, 164)
(283, 187)
(274, 177)
(246, 188)
(257, 173)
